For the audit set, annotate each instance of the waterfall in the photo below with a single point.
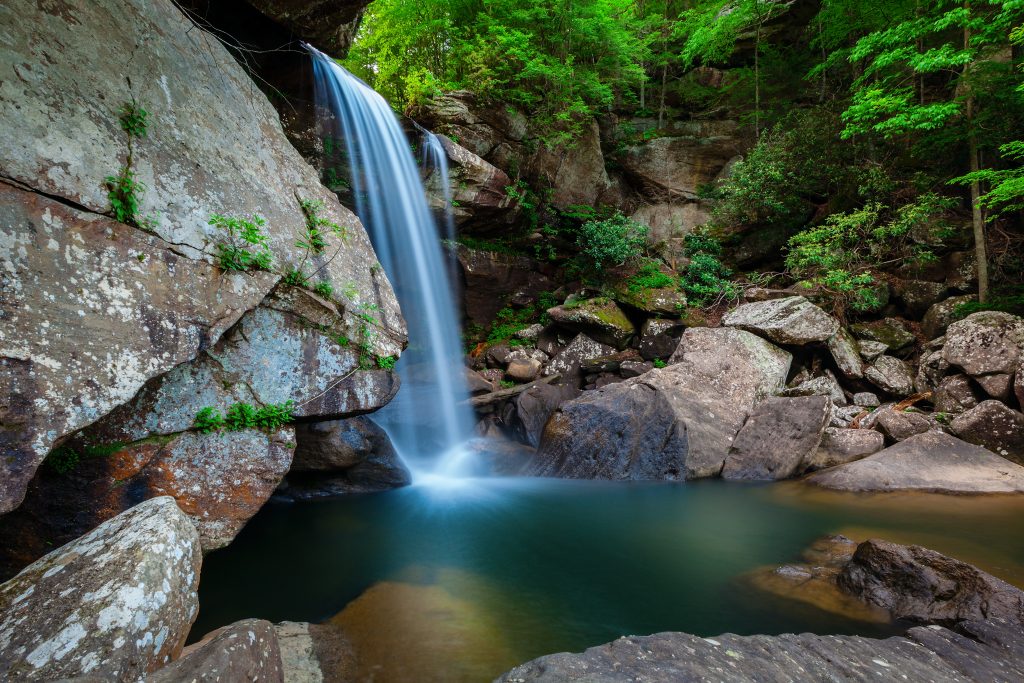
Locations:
(428, 421)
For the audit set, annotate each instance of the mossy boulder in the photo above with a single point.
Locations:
(601, 319)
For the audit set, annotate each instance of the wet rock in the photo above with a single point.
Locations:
(845, 353)
(995, 426)
(865, 399)
(891, 375)
(480, 201)
(567, 362)
(900, 425)
(933, 461)
(523, 370)
(600, 319)
(779, 435)
(672, 423)
(115, 604)
(534, 407)
(659, 338)
(985, 343)
(892, 332)
(955, 394)
(244, 651)
(870, 350)
(826, 385)
(793, 320)
(840, 446)
(922, 585)
(343, 456)
(942, 314)
(478, 384)
(919, 296)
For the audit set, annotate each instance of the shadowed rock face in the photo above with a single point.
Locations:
(985, 641)
(329, 24)
(93, 310)
(114, 605)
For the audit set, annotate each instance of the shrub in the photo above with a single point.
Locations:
(611, 241)
(247, 247)
(705, 279)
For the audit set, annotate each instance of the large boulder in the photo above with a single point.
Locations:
(941, 315)
(567, 362)
(534, 407)
(214, 146)
(985, 343)
(674, 423)
(899, 425)
(891, 375)
(846, 353)
(601, 319)
(921, 585)
(116, 604)
(933, 461)
(955, 394)
(777, 438)
(995, 426)
(793, 320)
(892, 332)
(480, 200)
(246, 650)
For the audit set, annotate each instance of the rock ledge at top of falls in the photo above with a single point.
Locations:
(973, 633)
(93, 309)
(115, 604)
(933, 461)
(672, 423)
(329, 24)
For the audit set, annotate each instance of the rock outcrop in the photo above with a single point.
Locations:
(932, 461)
(330, 24)
(115, 604)
(116, 316)
(793, 320)
(675, 423)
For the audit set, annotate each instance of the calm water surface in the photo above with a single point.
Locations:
(461, 582)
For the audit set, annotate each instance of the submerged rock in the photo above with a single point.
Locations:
(933, 461)
(777, 438)
(115, 604)
(244, 651)
(793, 320)
(672, 423)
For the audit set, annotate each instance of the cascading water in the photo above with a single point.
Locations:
(428, 421)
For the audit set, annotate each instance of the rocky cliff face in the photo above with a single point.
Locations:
(127, 331)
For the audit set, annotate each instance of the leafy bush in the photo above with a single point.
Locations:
(611, 241)
(841, 254)
(705, 279)
(247, 247)
(125, 194)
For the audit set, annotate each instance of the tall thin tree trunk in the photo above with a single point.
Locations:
(757, 82)
(977, 219)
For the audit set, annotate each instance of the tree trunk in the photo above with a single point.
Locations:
(978, 220)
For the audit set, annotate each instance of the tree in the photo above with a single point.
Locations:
(955, 44)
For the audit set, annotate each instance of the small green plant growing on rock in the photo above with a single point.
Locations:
(241, 416)
(324, 289)
(247, 248)
(659, 363)
(124, 189)
(62, 460)
(313, 242)
(386, 362)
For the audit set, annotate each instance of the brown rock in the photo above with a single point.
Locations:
(900, 425)
(523, 370)
(244, 651)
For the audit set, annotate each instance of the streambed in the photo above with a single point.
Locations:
(460, 580)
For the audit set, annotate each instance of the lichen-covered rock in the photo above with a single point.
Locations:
(115, 604)
(839, 446)
(995, 426)
(601, 319)
(985, 343)
(674, 423)
(246, 650)
(567, 362)
(900, 425)
(870, 350)
(675, 168)
(933, 461)
(846, 354)
(918, 296)
(941, 315)
(931, 370)
(891, 375)
(955, 394)
(659, 301)
(793, 320)
(892, 332)
(779, 435)
(866, 399)
(214, 145)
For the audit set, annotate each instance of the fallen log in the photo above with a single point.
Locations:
(502, 394)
